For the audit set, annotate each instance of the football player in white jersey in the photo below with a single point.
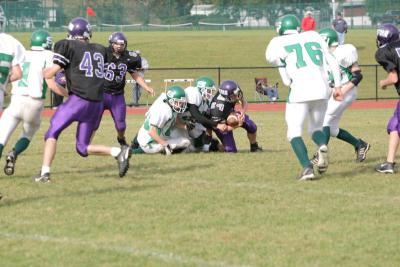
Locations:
(302, 59)
(351, 76)
(198, 101)
(154, 135)
(12, 54)
(28, 95)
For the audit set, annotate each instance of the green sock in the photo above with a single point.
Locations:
(300, 150)
(21, 145)
(327, 132)
(1, 149)
(137, 151)
(319, 138)
(347, 137)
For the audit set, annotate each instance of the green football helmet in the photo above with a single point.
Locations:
(176, 98)
(330, 36)
(206, 86)
(41, 39)
(288, 24)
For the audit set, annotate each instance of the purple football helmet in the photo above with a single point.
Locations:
(79, 28)
(228, 89)
(386, 34)
(118, 38)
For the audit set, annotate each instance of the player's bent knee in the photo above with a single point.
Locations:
(82, 150)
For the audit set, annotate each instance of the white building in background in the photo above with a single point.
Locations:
(203, 10)
(355, 13)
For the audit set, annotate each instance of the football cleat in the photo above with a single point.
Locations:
(11, 158)
(45, 178)
(255, 147)
(361, 151)
(386, 167)
(306, 174)
(123, 160)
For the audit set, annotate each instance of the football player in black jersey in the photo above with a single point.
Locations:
(222, 105)
(388, 56)
(119, 62)
(83, 63)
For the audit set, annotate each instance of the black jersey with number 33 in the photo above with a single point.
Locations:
(389, 58)
(116, 69)
(84, 67)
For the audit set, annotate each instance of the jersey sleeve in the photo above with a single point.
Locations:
(19, 56)
(273, 53)
(193, 96)
(383, 59)
(145, 64)
(134, 63)
(346, 55)
(160, 116)
(62, 53)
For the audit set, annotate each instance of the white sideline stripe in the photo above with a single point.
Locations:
(167, 257)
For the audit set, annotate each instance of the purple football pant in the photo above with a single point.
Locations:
(227, 139)
(393, 124)
(86, 113)
(117, 107)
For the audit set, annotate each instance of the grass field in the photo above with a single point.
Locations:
(212, 49)
(204, 209)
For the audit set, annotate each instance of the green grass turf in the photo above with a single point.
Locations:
(213, 49)
(239, 209)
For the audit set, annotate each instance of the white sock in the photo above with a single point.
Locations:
(115, 151)
(45, 169)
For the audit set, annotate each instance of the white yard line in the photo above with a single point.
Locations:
(67, 241)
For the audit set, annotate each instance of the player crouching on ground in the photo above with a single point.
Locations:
(222, 105)
(195, 117)
(155, 134)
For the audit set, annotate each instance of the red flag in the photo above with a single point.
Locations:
(90, 12)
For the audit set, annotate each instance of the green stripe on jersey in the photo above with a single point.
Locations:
(6, 58)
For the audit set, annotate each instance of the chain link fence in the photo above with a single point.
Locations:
(188, 15)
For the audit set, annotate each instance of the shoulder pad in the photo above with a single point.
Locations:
(132, 54)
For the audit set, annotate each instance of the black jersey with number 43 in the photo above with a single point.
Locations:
(389, 58)
(84, 67)
(116, 69)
